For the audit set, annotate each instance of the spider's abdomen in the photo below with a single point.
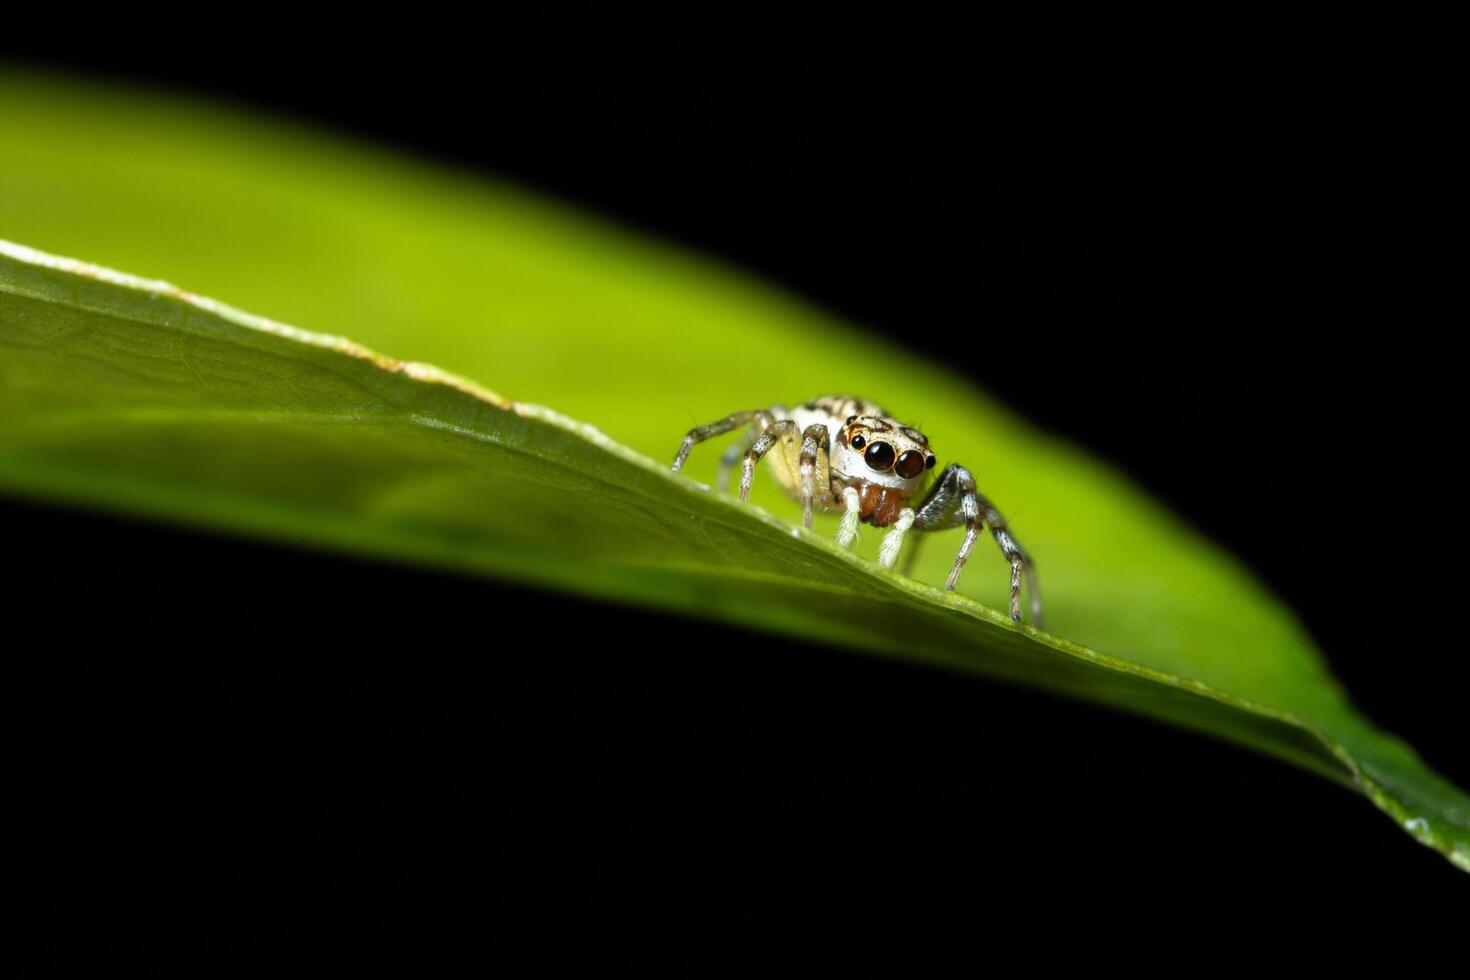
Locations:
(839, 407)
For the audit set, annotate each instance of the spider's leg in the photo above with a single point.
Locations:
(729, 423)
(773, 433)
(893, 540)
(815, 463)
(954, 501)
(729, 458)
(847, 531)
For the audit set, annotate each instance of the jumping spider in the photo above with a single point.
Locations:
(875, 467)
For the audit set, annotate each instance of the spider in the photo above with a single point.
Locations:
(844, 455)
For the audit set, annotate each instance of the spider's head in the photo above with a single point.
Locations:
(879, 450)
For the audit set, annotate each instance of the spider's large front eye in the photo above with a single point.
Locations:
(910, 464)
(879, 456)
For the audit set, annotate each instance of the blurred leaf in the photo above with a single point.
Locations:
(132, 395)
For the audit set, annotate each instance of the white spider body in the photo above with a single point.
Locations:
(844, 463)
(844, 455)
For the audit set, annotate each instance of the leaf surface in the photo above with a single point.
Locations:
(131, 394)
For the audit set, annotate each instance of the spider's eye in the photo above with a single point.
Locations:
(879, 456)
(929, 462)
(910, 464)
(851, 419)
(858, 442)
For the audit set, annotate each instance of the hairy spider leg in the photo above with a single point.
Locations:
(954, 501)
(815, 462)
(763, 444)
(729, 423)
(813, 459)
(730, 457)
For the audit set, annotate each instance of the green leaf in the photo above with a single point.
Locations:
(130, 394)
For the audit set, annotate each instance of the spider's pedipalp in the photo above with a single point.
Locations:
(893, 540)
(847, 531)
(953, 501)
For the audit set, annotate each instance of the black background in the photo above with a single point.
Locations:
(1220, 270)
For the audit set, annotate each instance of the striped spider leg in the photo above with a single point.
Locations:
(954, 501)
